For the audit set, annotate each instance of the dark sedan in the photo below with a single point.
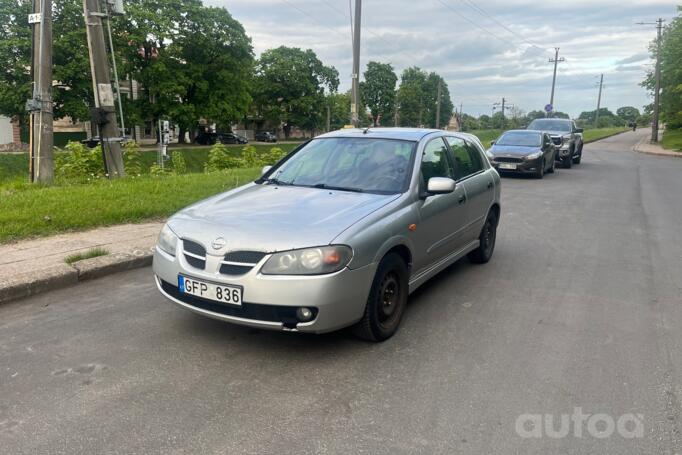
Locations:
(224, 138)
(523, 152)
(266, 136)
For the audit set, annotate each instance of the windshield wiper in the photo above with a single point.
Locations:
(324, 186)
(275, 181)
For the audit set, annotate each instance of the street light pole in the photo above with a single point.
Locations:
(355, 89)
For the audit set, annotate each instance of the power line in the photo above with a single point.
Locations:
(311, 16)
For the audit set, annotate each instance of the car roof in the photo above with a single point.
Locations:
(406, 134)
(524, 131)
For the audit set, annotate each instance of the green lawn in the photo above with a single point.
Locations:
(600, 133)
(672, 140)
(29, 210)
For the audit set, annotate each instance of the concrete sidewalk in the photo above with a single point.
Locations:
(32, 266)
(644, 146)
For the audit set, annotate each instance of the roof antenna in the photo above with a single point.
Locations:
(365, 130)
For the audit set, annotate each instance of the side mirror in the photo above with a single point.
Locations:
(579, 130)
(440, 185)
(492, 143)
(265, 170)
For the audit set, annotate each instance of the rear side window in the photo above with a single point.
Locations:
(436, 161)
(476, 159)
(463, 163)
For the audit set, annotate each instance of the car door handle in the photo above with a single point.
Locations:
(490, 185)
(462, 199)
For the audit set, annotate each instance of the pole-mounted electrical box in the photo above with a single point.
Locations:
(116, 7)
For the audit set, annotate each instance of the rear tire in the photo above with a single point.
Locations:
(484, 252)
(386, 302)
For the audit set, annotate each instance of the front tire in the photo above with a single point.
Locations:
(567, 161)
(551, 169)
(386, 302)
(486, 247)
(540, 173)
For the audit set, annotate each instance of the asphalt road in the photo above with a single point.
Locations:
(580, 307)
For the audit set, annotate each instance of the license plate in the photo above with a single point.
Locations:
(507, 166)
(211, 291)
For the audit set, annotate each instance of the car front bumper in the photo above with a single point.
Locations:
(523, 167)
(270, 302)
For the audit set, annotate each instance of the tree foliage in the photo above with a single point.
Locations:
(290, 86)
(378, 92)
(417, 99)
(671, 73)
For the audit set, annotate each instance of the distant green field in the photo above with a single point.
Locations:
(672, 140)
(485, 136)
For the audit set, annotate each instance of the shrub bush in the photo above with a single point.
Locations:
(79, 163)
(132, 158)
(179, 163)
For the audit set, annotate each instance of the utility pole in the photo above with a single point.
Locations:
(104, 113)
(657, 90)
(395, 113)
(355, 89)
(596, 118)
(329, 118)
(438, 105)
(41, 163)
(556, 61)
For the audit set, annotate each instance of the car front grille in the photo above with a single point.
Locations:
(557, 140)
(240, 262)
(271, 313)
(194, 253)
(507, 159)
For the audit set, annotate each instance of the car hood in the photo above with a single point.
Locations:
(513, 150)
(274, 218)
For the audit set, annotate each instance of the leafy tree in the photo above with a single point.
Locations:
(378, 91)
(339, 109)
(469, 122)
(671, 73)
(628, 113)
(532, 115)
(290, 86)
(417, 99)
(485, 122)
(15, 51)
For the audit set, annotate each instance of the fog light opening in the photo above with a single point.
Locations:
(304, 314)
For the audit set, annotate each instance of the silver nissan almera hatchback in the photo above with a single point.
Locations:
(337, 234)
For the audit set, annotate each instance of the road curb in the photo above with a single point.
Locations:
(27, 284)
(660, 152)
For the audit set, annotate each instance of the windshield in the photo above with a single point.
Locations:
(352, 164)
(521, 139)
(550, 125)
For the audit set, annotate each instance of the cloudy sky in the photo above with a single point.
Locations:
(484, 49)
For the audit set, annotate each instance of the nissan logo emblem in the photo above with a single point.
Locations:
(218, 243)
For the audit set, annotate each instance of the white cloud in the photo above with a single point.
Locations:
(480, 63)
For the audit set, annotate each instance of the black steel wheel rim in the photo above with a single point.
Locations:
(389, 299)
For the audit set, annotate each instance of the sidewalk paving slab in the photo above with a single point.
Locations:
(32, 266)
(645, 146)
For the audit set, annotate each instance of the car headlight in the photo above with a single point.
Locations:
(309, 261)
(533, 156)
(167, 240)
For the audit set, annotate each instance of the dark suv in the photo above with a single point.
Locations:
(565, 135)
